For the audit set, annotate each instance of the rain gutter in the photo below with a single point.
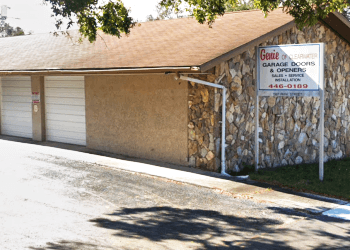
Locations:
(100, 71)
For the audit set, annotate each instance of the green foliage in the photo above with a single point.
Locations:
(165, 13)
(112, 18)
(205, 11)
(305, 12)
(18, 32)
(248, 5)
(10, 31)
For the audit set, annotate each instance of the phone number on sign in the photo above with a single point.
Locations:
(288, 86)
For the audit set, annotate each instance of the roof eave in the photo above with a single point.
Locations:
(338, 23)
(239, 50)
(116, 71)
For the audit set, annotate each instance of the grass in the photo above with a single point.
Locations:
(305, 178)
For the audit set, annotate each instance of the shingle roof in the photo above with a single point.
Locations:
(170, 43)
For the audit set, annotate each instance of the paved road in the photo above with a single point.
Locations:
(49, 201)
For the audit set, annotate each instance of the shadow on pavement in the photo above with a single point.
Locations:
(205, 228)
(212, 230)
(202, 229)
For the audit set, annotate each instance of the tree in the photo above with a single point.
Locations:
(346, 13)
(18, 32)
(241, 5)
(164, 13)
(168, 13)
(305, 13)
(8, 30)
(113, 18)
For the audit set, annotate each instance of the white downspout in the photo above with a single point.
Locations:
(223, 142)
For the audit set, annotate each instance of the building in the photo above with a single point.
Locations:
(129, 96)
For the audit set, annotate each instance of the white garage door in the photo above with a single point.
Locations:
(65, 109)
(16, 108)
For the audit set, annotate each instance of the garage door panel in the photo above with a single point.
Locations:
(11, 114)
(64, 78)
(67, 118)
(16, 106)
(17, 78)
(66, 126)
(16, 110)
(15, 91)
(65, 84)
(16, 82)
(66, 134)
(66, 140)
(65, 101)
(17, 122)
(20, 126)
(65, 109)
(16, 132)
(67, 93)
(17, 99)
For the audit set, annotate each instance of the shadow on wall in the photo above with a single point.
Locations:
(198, 229)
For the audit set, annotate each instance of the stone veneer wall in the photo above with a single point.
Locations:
(290, 125)
(203, 132)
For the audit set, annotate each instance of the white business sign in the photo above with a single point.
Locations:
(286, 68)
(291, 70)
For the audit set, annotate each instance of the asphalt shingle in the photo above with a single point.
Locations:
(167, 43)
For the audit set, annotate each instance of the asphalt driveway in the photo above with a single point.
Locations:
(52, 198)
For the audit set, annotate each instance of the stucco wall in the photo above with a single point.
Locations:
(290, 126)
(38, 117)
(142, 116)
